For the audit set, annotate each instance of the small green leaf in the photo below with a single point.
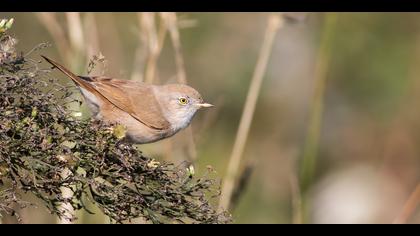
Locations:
(26, 120)
(34, 112)
(9, 24)
(2, 23)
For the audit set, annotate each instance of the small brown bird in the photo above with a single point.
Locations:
(149, 112)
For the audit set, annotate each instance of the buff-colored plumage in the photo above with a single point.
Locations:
(149, 112)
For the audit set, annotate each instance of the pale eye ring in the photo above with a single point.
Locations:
(183, 101)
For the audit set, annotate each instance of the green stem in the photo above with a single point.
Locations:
(311, 148)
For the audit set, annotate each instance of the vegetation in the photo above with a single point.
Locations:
(45, 148)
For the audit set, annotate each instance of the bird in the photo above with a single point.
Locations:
(148, 112)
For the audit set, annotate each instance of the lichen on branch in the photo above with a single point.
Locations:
(40, 138)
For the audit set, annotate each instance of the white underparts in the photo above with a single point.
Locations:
(91, 100)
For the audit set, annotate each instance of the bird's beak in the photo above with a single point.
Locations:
(203, 105)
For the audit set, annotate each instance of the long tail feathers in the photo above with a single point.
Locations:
(70, 74)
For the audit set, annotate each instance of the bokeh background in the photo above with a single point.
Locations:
(335, 135)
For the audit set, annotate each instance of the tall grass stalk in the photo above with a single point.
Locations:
(148, 27)
(275, 22)
(172, 23)
(410, 206)
(75, 32)
(311, 146)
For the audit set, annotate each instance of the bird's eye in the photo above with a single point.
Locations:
(183, 101)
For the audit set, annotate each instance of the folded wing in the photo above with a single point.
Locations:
(135, 98)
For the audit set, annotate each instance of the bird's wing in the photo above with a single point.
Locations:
(138, 101)
(135, 98)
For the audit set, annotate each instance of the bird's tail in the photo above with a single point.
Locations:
(67, 72)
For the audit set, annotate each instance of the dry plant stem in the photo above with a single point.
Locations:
(171, 21)
(147, 21)
(317, 107)
(75, 32)
(50, 22)
(409, 207)
(162, 34)
(297, 217)
(153, 41)
(141, 54)
(275, 21)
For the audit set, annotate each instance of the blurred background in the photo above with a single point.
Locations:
(335, 133)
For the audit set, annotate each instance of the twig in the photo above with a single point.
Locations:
(409, 207)
(275, 22)
(92, 40)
